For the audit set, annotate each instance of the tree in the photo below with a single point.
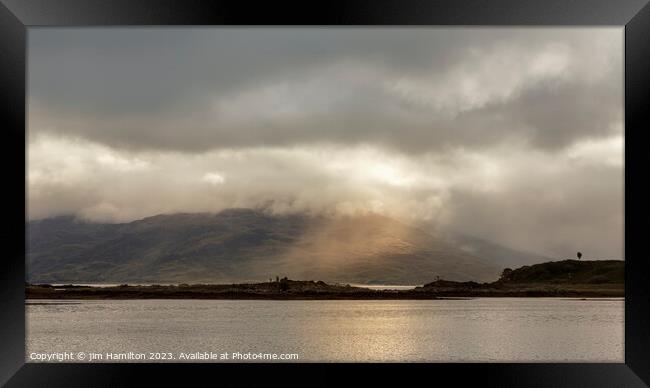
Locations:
(506, 273)
(284, 284)
(579, 254)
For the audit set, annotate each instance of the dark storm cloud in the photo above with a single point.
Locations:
(408, 89)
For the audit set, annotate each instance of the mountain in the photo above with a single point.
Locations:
(238, 245)
(499, 255)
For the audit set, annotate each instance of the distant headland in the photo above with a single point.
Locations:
(567, 278)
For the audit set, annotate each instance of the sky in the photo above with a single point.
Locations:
(514, 135)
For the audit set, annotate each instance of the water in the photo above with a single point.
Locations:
(383, 286)
(483, 329)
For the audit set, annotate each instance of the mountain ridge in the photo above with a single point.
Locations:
(246, 245)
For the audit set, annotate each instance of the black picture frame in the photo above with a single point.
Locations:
(17, 15)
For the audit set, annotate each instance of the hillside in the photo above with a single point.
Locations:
(602, 278)
(497, 254)
(242, 245)
(569, 272)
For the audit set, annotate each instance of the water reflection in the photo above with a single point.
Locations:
(498, 329)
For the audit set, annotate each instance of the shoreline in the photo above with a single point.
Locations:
(309, 290)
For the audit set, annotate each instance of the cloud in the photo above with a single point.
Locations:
(514, 135)
(214, 178)
(552, 204)
(413, 90)
(533, 200)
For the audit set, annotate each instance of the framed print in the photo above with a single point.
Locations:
(227, 191)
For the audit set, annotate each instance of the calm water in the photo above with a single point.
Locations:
(490, 329)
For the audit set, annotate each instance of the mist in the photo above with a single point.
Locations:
(512, 135)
